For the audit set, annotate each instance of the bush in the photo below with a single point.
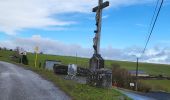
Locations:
(15, 56)
(121, 76)
(143, 87)
(24, 60)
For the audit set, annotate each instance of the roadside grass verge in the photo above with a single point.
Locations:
(81, 91)
(154, 69)
(75, 90)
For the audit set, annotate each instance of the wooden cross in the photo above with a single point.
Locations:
(98, 9)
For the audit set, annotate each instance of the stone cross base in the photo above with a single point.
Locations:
(96, 62)
(100, 78)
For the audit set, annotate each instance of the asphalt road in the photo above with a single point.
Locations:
(135, 96)
(17, 83)
(146, 96)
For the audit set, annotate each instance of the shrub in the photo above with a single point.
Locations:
(16, 57)
(24, 60)
(143, 87)
(121, 76)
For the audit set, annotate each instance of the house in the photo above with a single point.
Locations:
(140, 73)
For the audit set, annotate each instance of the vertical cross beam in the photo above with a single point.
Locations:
(98, 11)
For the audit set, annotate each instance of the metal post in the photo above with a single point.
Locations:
(136, 86)
(36, 57)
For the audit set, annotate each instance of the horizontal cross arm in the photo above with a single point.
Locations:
(105, 4)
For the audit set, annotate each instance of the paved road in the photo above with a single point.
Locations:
(17, 83)
(135, 96)
(146, 96)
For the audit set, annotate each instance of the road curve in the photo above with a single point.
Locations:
(17, 83)
(135, 96)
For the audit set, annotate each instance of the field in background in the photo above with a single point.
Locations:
(158, 84)
(154, 69)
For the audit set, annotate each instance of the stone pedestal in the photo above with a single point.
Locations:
(96, 62)
(100, 78)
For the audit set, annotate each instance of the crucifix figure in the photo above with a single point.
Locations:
(97, 62)
(98, 10)
(97, 73)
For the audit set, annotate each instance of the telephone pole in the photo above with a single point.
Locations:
(136, 85)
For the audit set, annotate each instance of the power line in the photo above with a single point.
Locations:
(153, 26)
(153, 15)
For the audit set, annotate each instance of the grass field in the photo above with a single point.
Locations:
(157, 85)
(154, 69)
(75, 90)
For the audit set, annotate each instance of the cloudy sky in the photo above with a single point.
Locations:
(64, 27)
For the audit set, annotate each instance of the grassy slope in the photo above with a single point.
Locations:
(153, 69)
(79, 91)
(75, 90)
(158, 84)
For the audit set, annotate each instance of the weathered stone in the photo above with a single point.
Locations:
(72, 72)
(60, 69)
(96, 62)
(100, 78)
(82, 71)
(63, 69)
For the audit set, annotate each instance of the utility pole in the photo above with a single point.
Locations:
(136, 85)
(21, 58)
(76, 58)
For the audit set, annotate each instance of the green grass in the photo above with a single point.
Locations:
(152, 69)
(4, 55)
(79, 91)
(157, 85)
(75, 90)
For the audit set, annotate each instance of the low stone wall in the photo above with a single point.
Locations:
(100, 78)
(63, 69)
(82, 71)
(60, 69)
